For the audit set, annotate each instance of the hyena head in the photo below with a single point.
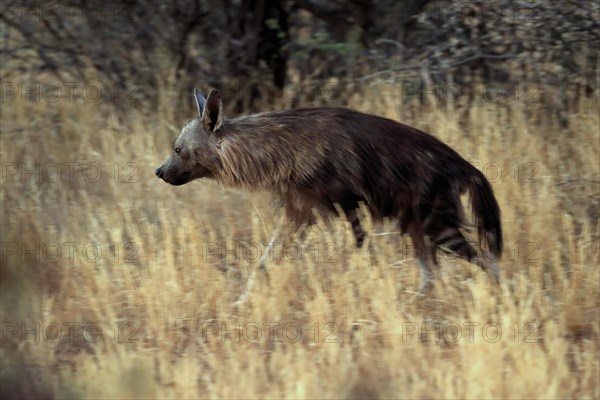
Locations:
(194, 153)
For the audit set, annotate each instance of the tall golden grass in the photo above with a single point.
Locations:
(154, 315)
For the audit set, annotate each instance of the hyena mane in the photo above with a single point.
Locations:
(260, 152)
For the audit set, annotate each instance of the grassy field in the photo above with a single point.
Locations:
(117, 285)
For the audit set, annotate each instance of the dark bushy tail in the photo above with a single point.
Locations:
(486, 212)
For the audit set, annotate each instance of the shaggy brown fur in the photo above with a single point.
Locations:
(319, 157)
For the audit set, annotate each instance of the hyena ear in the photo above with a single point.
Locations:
(212, 116)
(200, 101)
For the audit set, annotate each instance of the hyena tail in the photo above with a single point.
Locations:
(486, 212)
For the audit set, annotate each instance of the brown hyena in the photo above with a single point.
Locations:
(315, 158)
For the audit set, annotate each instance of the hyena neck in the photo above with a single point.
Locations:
(264, 152)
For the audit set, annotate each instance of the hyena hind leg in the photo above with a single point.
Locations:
(357, 228)
(424, 251)
(426, 277)
(453, 240)
(488, 263)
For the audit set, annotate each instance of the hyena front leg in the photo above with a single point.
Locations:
(287, 226)
(281, 233)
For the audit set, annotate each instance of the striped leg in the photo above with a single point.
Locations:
(424, 250)
(452, 239)
(357, 229)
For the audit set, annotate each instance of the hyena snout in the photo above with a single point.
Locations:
(174, 173)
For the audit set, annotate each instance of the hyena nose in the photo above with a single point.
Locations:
(158, 172)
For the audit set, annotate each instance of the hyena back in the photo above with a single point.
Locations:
(315, 158)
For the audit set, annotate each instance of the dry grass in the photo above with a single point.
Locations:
(534, 336)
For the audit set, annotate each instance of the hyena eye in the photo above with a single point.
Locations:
(177, 150)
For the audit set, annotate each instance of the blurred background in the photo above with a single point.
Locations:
(116, 285)
(151, 53)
